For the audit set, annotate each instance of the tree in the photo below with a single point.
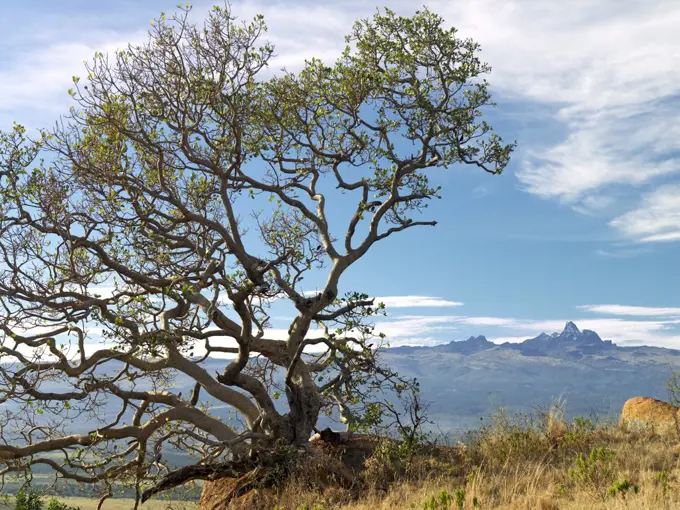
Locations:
(187, 192)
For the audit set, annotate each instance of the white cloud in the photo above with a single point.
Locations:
(416, 302)
(657, 219)
(614, 67)
(508, 339)
(621, 252)
(609, 64)
(481, 192)
(634, 311)
(35, 83)
(416, 329)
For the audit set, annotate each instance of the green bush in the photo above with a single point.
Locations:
(441, 501)
(444, 501)
(593, 471)
(579, 436)
(460, 498)
(621, 488)
(507, 439)
(55, 504)
(27, 500)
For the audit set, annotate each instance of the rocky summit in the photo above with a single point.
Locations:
(464, 381)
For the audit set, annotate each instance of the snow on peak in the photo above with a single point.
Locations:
(571, 329)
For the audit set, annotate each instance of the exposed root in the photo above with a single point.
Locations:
(183, 475)
(242, 486)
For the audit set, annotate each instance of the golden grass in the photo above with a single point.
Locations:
(517, 463)
(514, 463)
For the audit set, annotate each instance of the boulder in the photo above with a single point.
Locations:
(650, 414)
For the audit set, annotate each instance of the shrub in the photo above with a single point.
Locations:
(55, 504)
(27, 500)
(662, 480)
(441, 501)
(507, 439)
(579, 436)
(444, 500)
(621, 488)
(460, 498)
(593, 471)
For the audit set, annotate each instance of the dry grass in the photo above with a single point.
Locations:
(535, 462)
(519, 462)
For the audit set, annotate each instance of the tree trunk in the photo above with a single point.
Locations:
(305, 403)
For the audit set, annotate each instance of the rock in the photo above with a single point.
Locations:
(650, 413)
(329, 436)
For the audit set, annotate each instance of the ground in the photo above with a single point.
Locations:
(523, 462)
(119, 504)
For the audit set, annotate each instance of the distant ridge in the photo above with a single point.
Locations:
(570, 343)
(464, 380)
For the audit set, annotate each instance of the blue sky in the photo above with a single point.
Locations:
(585, 223)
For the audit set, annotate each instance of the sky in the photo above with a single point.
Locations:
(583, 225)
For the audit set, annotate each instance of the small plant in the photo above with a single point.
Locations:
(661, 479)
(441, 501)
(55, 504)
(460, 498)
(621, 488)
(578, 436)
(594, 470)
(673, 387)
(582, 424)
(444, 500)
(27, 500)
(507, 438)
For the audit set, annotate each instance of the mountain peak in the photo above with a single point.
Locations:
(571, 329)
(472, 345)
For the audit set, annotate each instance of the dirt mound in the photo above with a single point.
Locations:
(650, 413)
(330, 464)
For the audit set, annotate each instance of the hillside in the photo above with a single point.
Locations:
(464, 380)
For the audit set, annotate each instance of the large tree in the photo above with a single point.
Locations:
(188, 191)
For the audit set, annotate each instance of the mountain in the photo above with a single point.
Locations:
(571, 343)
(464, 380)
(472, 345)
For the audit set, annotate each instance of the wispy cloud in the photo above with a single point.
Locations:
(657, 219)
(481, 192)
(621, 252)
(416, 302)
(633, 311)
(612, 66)
(34, 82)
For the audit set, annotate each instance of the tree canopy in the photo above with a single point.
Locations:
(186, 193)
